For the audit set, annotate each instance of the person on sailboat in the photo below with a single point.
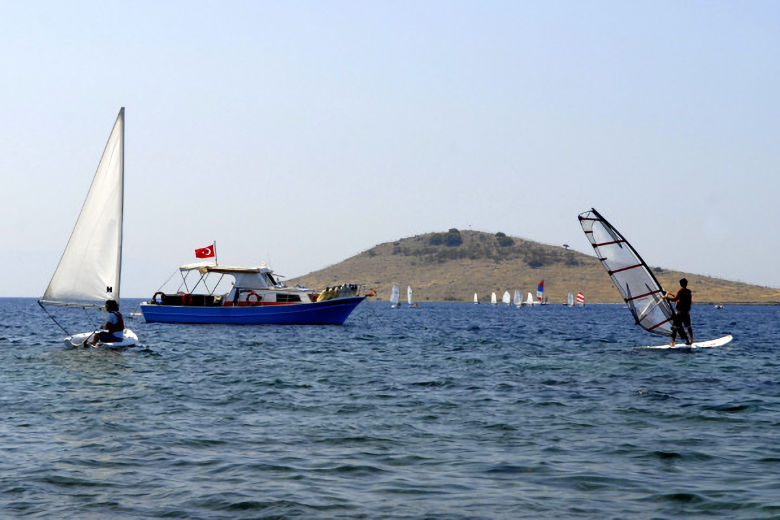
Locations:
(112, 330)
(682, 302)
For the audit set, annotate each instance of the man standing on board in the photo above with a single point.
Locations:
(682, 302)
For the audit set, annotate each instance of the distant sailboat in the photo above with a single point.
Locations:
(540, 292)
(580, 299)
(90, 268)
(476, 300)
(570, 302)
(518, 300)
(529, 300)
(493, 299)
(507, 299)
(395, 296)
(409, 298)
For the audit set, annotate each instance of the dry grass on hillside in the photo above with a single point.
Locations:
(453, 266)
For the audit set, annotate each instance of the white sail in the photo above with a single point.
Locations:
(506, 298)
(518, 300)
(476, 300)
(634, 280)
(571, 300)
(395, 296)
(409, 298)
(89, 269)
(529, 300)
(493, 299)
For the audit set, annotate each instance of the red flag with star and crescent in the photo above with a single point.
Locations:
(205, 252)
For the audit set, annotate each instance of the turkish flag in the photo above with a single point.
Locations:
(205, 252)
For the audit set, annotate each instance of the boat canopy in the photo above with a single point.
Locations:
(223, 269)
(245, 277)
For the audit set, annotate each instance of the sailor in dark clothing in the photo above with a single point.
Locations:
(682, 302)
(113, 329)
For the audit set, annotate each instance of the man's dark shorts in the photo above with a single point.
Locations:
(682, 318)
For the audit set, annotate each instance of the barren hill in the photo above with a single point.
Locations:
(452, 266)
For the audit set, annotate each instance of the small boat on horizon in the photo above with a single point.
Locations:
(395, 297)
(410, 297)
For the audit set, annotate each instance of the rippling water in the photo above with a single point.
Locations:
(451, 410)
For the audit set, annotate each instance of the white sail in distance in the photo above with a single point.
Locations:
(89, 269)
(633, 278)
(395, 295)
(409, 298)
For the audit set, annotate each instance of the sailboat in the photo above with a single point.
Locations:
(409, 298)
(580, 299)
(476, 299)
(89, 271)
(493, 299)
(395, 296)
(570, 301)
(518, 300)
(632, 277)
(506, 298)
(529, 300)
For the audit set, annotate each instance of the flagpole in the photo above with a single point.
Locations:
(216, 258)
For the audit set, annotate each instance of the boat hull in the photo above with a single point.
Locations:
(329, 312)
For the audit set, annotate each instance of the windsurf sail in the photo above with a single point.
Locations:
(633, 278)
(540, 291)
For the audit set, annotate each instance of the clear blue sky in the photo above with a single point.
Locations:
(301, 133)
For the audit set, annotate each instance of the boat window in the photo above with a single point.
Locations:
(287, 298)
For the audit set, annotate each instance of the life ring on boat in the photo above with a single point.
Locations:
(252, 302)
(186, 299)
(161, 295)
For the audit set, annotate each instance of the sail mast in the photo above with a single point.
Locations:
(121, 118)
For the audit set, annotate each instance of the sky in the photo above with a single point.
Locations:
(301, 133)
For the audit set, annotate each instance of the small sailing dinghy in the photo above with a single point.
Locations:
(476, 299)
(570, 301)
(633, 278)
(395, 296)
(506, 299)
(89, 270)
(518, 300)
(410, 297)
(493, 299)
(580, 299)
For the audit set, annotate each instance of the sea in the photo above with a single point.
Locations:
(445, 411)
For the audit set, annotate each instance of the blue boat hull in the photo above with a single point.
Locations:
(329, 312)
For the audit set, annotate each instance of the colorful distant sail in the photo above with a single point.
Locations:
(580, 298)
(540, 291)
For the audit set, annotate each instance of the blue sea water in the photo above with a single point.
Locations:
(450, 410)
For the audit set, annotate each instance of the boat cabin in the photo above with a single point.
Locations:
(204, 286)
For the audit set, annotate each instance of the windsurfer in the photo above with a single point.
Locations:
(682, 301)
(112, 330)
